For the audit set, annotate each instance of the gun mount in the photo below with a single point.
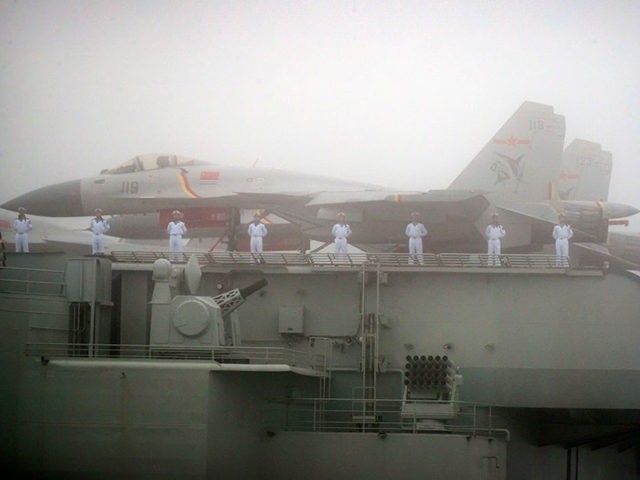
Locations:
(229, 301)
(192, 320)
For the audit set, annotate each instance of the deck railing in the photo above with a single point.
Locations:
(382, 416)
(218, 354)
(427, 260)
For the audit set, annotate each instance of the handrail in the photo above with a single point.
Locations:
(219, 354)
(346, 415)
(322, 259)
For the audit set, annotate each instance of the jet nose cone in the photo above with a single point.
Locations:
(60, 200)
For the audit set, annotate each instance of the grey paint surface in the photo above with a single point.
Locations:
(135, 422)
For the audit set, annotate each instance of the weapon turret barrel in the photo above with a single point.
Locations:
(229, 301)
(254, 287)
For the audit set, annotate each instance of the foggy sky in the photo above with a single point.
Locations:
(401, 94)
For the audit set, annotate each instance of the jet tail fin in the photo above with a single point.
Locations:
(521, 159)
(586, 172)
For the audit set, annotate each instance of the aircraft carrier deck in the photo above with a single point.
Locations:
(285, 366)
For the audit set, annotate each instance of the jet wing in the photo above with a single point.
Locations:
(324, 199)
(538, 212)
(396, 205)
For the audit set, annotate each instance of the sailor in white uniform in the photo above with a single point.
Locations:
(176, 229)
(98, 226)
(341, 231)
(415, 231)
(494, 232)
(22, 226)
(256, 231)
(562, 233)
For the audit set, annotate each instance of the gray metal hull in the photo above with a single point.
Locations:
(553, 355)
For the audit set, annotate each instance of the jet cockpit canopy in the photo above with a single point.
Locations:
(152, 161)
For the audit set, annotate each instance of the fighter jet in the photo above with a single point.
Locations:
(510, 176)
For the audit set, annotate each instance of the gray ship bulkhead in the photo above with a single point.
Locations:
(549, 353)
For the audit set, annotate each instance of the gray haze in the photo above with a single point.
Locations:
(401, 94)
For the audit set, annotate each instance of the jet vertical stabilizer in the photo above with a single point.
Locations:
(521, 159)
(586, 172)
